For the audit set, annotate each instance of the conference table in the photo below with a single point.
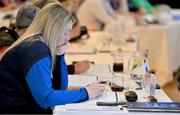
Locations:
(89, 107)
(162, 42)
(97, 49)
(102, 67)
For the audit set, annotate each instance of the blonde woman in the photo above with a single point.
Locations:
(80, 66)
(28, 67)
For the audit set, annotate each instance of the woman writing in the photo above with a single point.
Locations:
(28, 70)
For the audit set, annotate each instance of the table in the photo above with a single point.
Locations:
(89, 107)
(163, 43)
(107, 110)
(101, 59)
(96, 40)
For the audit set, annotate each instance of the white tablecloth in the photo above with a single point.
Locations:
(64, 110)
(89, 107)
(163, 43)
(96, 40)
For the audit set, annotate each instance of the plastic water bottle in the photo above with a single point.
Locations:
(149, 85)
(153, 85)
(146, 84)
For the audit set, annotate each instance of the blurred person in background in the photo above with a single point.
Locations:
(24, 18)
(134, 8)
(94, 14)
(141, 6)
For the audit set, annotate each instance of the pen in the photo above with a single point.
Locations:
(74, 62)
(116, 96)
(103, 82)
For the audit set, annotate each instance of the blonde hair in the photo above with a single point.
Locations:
(50, 23)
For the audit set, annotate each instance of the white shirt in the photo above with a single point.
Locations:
(95, 12)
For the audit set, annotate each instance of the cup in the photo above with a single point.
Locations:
(117, 84)
(118, 62)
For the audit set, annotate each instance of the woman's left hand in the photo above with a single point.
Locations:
(81, 66)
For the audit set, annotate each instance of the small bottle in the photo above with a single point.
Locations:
(146, 84)
(153, 85)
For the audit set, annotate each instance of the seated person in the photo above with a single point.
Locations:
(28, 65)
(136, 8)
(94, 14)
(141, 6)
(78, 31)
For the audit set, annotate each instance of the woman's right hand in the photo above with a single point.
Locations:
(95, 89)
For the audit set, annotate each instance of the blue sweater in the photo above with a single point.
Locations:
(26, 84)
(39, 82)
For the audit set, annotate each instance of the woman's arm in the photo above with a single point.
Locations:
(39, 81)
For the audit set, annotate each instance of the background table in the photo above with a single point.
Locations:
(163, 43)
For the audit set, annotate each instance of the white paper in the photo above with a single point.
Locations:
(90, 107)
(80, 80)
(107, 96)
(80, 49)
(129, 83)
(97, 70)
